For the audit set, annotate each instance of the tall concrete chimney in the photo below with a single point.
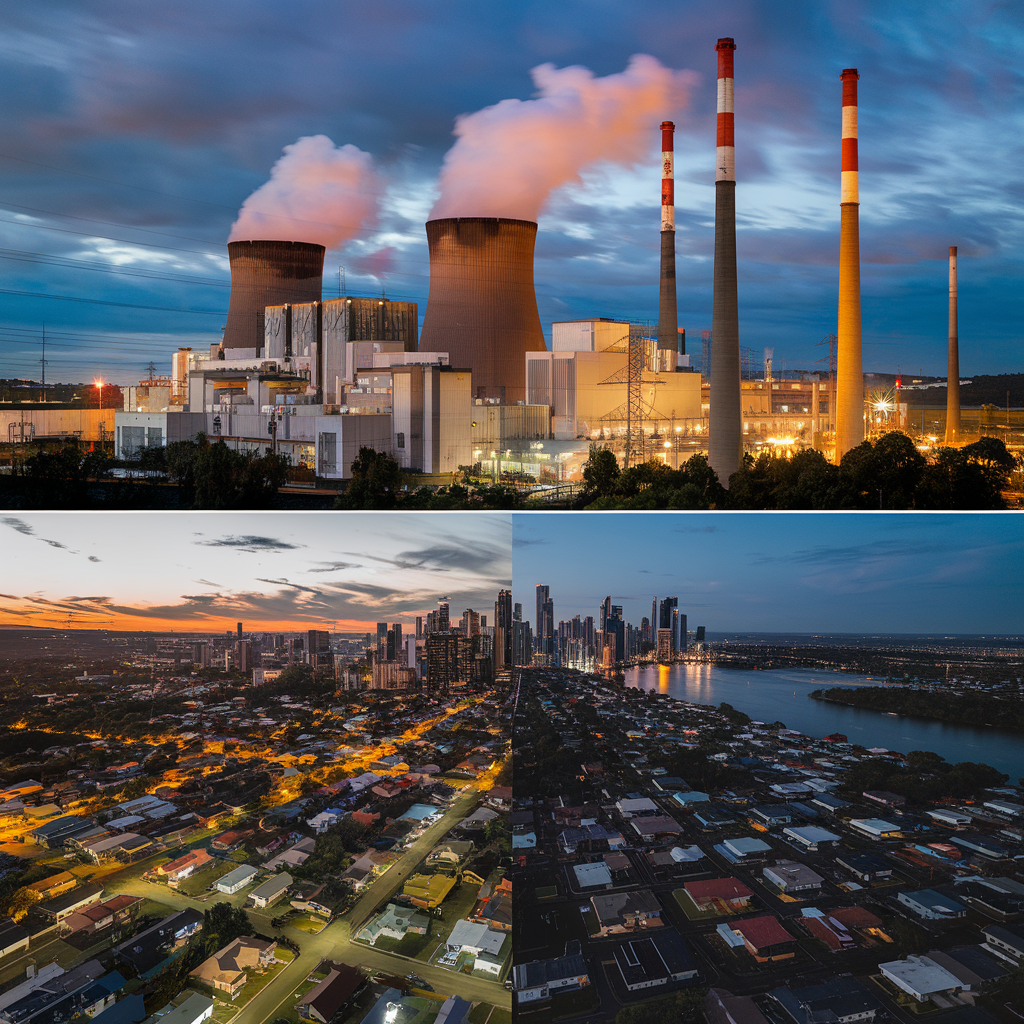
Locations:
(668, 310)
(268, 273)
(482, 307)
(725, 433)
(850, 364)
(953, 371)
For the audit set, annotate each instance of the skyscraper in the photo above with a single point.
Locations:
(545, 632)
(503, 631)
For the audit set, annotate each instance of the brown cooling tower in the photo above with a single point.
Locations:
(268, 274)
(481, 308)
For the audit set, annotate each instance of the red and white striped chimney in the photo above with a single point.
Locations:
(725, 424)
(668, 310)
(850, 366)
(726, 167)
(668, 177)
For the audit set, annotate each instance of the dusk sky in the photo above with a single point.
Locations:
(133, 133)
(781, 572)
(204, 572)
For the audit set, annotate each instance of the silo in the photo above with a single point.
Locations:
(267, 273)
(481, 307)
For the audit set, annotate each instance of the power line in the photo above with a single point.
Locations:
(70, 263)
(107, 302)
(97, 220)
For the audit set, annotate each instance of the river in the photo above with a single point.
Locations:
(781, 695)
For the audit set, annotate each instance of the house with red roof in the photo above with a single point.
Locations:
(765, 938)
(726, 895)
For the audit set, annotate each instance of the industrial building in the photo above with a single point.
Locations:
(583, 381)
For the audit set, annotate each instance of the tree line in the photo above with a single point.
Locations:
(890, 473)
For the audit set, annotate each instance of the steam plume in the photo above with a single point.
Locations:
(317, 192)
(510, 157)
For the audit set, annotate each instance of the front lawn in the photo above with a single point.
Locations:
(198, 882)
(258, 982)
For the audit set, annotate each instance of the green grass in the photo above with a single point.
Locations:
(459, 903)
(151, 908)
(309, 923)
(689, 908)
(200, 881)
(223, 1012)
(258, 982)
(287, 1010)
(546, 892)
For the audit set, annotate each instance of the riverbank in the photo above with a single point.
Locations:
(979, 710)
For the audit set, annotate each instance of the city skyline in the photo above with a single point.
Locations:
(134, 136)
(780, 572)
(205, 572)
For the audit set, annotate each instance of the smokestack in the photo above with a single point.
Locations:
(725, 435)
(850, 365)
(481, 307)
(668, 313)
(268, 273)
(953, 372)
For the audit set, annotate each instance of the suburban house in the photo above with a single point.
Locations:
(332, 996)
(270, 891)
(623, 912)
(227, 970)
(394, 922)
(236, 879)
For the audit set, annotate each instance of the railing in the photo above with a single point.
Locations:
(553, 493)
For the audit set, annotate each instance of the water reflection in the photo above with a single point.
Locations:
(781, 695)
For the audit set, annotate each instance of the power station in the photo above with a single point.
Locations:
(479, 386)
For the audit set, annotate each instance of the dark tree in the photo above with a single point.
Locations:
(375, 483)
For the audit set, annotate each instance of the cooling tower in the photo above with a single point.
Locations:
(849, 360)
(268, 274)
(953, 375)
(481, 307)
(725, 424)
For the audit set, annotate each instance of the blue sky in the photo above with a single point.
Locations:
(132, 133)
(781, 572)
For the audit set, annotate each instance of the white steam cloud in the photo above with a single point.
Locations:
(510, 157)
(317, 192)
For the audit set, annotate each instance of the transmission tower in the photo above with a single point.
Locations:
(633, 411)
